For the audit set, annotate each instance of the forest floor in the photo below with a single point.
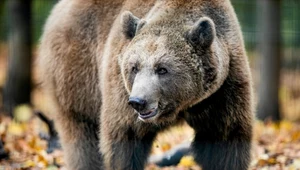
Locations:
(276, 146)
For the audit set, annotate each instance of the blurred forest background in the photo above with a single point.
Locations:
(271, 30)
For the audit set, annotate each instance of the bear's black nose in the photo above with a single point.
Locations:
(137, 103)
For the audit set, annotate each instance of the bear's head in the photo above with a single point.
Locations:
(170, 64)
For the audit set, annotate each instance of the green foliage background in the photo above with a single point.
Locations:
(40, 10)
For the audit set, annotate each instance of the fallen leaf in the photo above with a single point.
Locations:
(187, 161)
(23, 113)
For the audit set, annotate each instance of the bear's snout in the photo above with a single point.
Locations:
(137, 103)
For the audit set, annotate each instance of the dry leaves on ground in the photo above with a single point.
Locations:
(276, 145)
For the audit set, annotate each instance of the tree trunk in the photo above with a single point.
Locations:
(269, 46)
(1, 9)
(18, 83)
(1, 27)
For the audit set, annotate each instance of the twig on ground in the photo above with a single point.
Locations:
(53, 139)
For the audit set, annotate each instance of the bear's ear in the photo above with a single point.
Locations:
(202, 33)
(130, 24)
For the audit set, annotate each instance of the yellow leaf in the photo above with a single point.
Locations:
(286, 125)
(22, 113)
(187, 161)
(28, 163)
(272, 161)
(59, 160)
(273, 126)
(296, 136)
(15, 129)
(40, 159)
(262, 163)
(165, 147)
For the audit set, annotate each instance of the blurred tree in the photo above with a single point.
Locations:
(17, 87)
(3, 153)
(1, 31)
(1, 8)
(269, 46)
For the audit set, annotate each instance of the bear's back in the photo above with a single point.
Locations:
(73, 36)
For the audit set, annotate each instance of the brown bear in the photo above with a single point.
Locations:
(182, 61)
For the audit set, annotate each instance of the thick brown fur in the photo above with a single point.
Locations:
(95, 55)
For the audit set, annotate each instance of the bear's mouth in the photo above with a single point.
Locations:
(148, 114)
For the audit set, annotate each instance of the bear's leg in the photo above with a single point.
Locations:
(221, 154)
(223, 128)
(80, 143)
(123, 149)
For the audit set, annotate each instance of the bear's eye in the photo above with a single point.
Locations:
(134, 69)
(161, 71)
